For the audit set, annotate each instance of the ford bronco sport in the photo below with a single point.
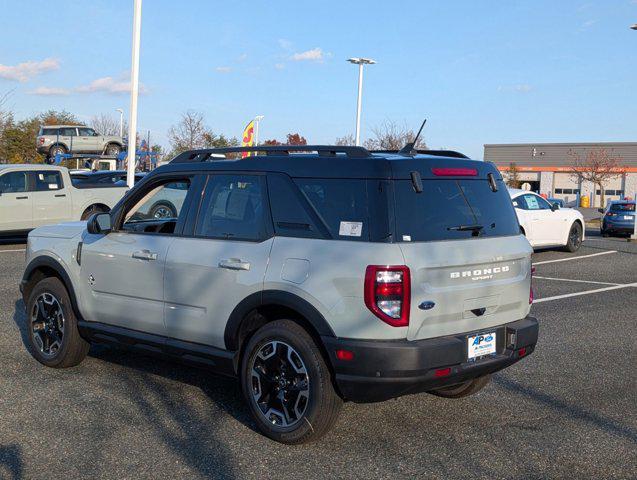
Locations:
(315, 275)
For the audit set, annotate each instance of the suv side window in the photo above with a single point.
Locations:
(86, 132)
(45, 181)
(49, 131)
(68, 132)
(13, 182)
(159, 210)
(290, 215)
(233, 208)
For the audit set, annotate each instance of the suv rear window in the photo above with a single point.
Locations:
(622, 207)
(445, 205)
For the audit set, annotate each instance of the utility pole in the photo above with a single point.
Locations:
(134, 92)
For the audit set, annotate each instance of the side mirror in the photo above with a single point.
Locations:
(555, 206)
(600, 210)
(99, 223)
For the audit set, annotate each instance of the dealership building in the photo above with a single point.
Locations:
(546, 168)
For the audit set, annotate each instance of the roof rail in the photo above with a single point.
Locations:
(437, 153)
(206, 154)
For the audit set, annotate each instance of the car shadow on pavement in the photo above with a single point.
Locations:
(178, 421)
(11, 461)
(574, 412)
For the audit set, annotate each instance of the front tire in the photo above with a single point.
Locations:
(91, 210)
(287, 384)
(163, 210)
(464, 389)
(52, 326)
(574, 238)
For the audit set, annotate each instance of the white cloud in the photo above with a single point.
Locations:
(285, 44)
(588, 24)
(314, 55)
(223, 69)
(50, 91)
(109, 85)
(519, 88)
(279, 66)
(242, 57)
(23, 72)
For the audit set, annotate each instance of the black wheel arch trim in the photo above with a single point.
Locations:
(278, 298)
(49, 262)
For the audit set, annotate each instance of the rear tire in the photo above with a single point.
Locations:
(52, 326)
(464, 389)
(113, 149)
(574, 238)
(90, 211)
(287, 384)
(55, 149)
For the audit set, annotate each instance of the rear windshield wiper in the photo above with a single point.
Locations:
(476, 229)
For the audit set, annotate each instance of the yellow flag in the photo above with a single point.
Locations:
(247, 139)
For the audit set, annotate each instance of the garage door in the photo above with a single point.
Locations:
(566, 188)
(613, 190)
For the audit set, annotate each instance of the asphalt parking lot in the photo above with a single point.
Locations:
(567, 411)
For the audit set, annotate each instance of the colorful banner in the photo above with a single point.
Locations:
(247, 139)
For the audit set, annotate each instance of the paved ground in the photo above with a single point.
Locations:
(568, 411)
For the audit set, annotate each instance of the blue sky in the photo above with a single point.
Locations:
(479, 71)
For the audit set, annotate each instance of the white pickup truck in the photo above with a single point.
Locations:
(32, 195)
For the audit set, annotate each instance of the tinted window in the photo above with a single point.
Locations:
(290, 216)
(49, 131)
(159, 204)
(233, 208)
(13, 182)
(86, 132)
(531, 202)
(622, 207)
(68, 132)
(445, 205)
(44, 181)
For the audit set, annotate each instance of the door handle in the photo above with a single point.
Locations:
(21, 198)
(234, 264)
(145, 255)
(61, 195)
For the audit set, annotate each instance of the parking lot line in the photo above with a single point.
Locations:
(17, 250)
(573, 280)
(575, 258)
(587, 292)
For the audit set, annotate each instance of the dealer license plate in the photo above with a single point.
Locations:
(628, 217)
(481, 345)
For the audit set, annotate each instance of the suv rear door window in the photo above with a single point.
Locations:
(445, 209)
(68, 132)
(233, 208)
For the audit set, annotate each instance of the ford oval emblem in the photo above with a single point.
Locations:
(427, 305)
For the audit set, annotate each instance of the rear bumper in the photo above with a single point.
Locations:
(619, 227)
(381, 370)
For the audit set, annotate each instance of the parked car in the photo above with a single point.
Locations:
(34, 195)
(618, 218)
(318, 277)
(545, 224)
(54, 139)
(556, 201)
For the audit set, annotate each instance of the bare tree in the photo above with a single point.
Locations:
(6, 120)
(391, 136)
(189, 133)
(107, 124)
(597, 166)
(345, 141)
(513, 176)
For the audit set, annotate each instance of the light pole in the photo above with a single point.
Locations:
(134, 91)
(360, 62)
(633, 237)
(257, 119)
(121, 121)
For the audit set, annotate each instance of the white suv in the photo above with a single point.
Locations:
(315, 276)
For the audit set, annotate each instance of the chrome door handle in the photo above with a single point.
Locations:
(234, 264)
(145, 255)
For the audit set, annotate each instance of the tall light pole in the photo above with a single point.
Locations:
(121, 121)
(360, 62)
(257, 119)
(134, 91)
(633, 237)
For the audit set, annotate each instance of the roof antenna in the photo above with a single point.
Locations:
(409, 148)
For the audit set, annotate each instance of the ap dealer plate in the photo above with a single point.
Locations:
(480, 345)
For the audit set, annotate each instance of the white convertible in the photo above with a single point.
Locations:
(32, 195)
(546, 224)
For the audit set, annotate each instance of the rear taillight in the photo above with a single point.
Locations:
(531, 288)
(610, 214)
(387, 293)
(41, 140)
(454, 172)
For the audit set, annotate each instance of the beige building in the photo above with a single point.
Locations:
(546, 168)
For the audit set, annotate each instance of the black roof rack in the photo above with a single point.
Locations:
(206, 154)
(436, 153)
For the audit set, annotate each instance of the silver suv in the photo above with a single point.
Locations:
(54, 139)
(314, 276)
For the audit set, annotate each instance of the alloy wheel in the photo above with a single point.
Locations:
(47, 323)
(279, 383)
